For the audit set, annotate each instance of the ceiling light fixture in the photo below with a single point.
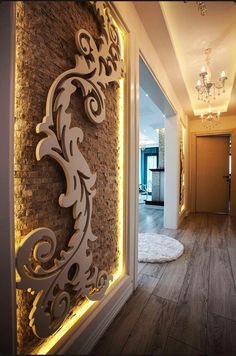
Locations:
(210, 119)
(201, 7)
(206, 88)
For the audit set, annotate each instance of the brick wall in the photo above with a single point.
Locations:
(161, 148)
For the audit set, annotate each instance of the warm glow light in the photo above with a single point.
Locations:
(80, 311)
(183, 135)
(203, 69)
(182, 208)
(198, 83)
(120, 268)
(51, 341)
(222, 74)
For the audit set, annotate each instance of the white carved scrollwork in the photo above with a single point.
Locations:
(53, 279)
(182, 187)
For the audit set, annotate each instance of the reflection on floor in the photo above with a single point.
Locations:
(184, 307)
(151, 218)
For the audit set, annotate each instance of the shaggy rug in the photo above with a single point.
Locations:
(158, 248)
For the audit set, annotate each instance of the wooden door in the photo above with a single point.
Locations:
(212, 185)
(233, 175)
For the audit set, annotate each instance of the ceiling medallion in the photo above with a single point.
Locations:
(210, 119)
(206, 88)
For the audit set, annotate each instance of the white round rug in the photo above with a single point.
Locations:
(158, 248)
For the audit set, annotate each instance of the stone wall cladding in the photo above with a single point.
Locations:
(45, 47)
(161, 148)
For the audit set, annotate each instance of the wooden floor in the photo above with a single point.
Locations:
(184, 307)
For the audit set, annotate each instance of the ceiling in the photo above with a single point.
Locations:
(150, 120)
(151, 86)
(154, 107)
(180, 35)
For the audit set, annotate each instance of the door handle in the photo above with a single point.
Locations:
(228, 177)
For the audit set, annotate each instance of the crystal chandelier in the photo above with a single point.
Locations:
(206, 88)
(210, 120)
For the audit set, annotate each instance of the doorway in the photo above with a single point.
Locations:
(154, 112)
(213, 174)
(151, 150)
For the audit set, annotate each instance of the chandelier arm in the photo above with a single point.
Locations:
(220, 84)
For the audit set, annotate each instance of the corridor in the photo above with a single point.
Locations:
(184, 307)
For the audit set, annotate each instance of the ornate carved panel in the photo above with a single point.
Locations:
(52, 279)
(181, 187)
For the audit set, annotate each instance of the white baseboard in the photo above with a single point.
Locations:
(82, 340)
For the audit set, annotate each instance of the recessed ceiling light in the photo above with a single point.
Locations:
(146, 94)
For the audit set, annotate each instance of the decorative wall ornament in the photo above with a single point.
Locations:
(54, 279)
(182, 188)
(210, 120)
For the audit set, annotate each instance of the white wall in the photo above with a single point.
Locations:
(225, 123)
(171, 188)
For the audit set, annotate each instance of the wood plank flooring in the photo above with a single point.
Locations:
(184, 307)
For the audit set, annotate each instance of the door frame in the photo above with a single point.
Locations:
(193, 162)
(172, 163)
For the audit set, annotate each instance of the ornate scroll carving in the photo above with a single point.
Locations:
(181, 186)
(51, 278)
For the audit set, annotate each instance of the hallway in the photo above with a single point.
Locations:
(185, 307)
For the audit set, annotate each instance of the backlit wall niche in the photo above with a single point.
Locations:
(61, 267)
(182, 169)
